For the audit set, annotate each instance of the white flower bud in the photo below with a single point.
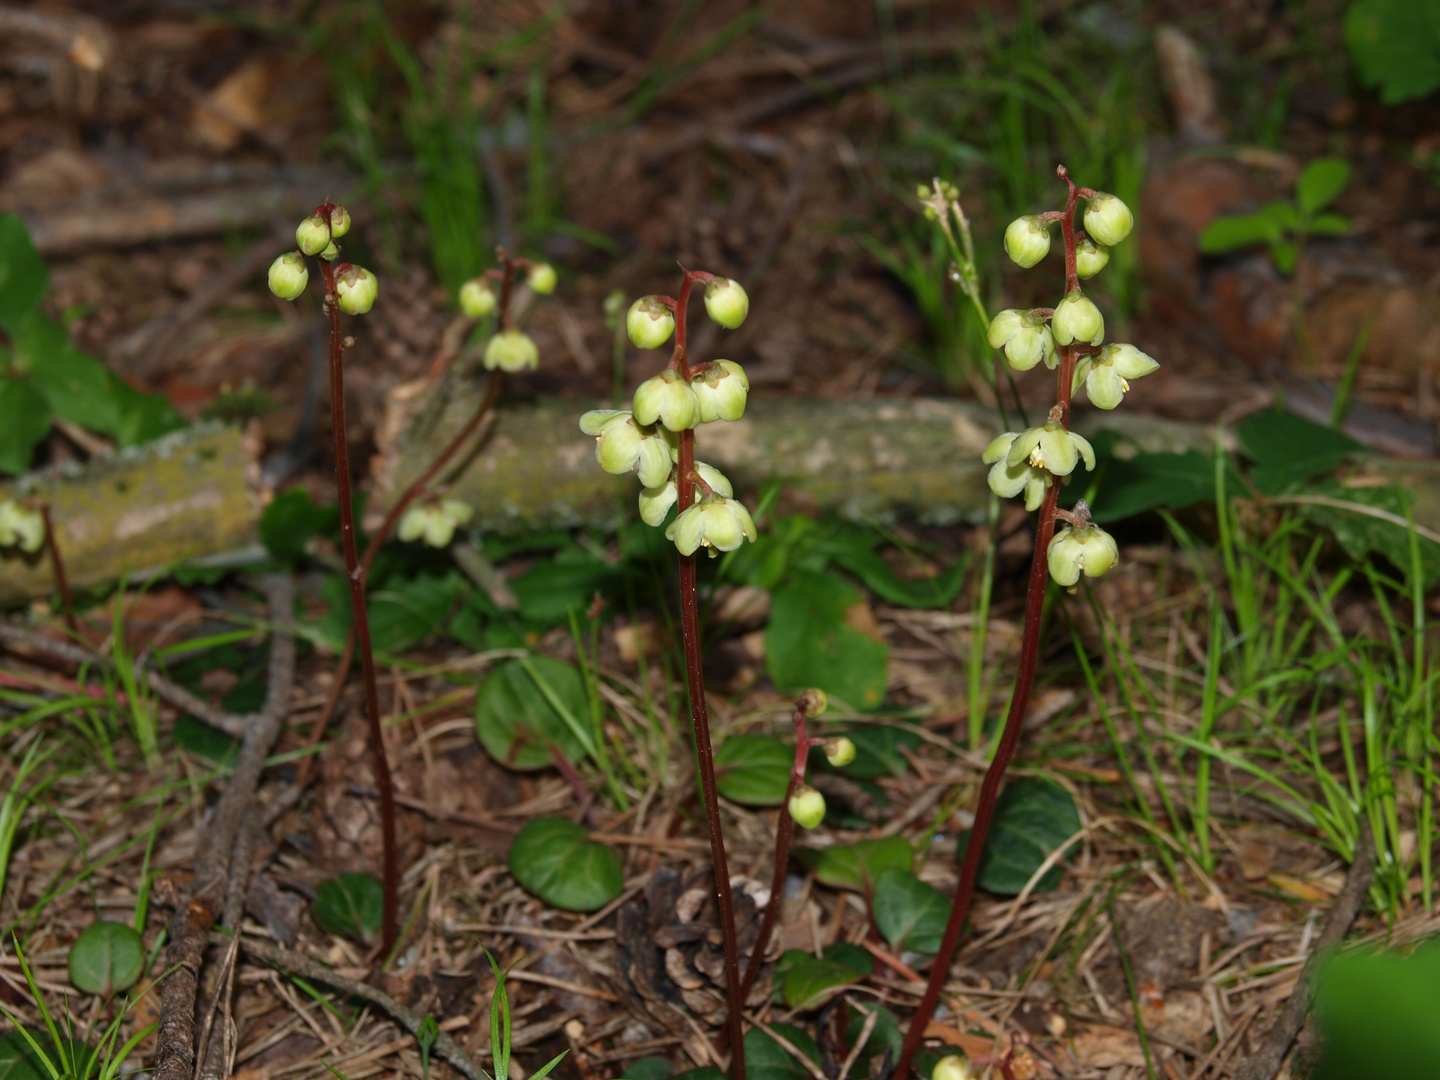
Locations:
(477, 298)
(356, 289)
(1027, 240)
(21, 527)
(312, 236)
(1007, 480)
(649, 323)
(726, 302)
(1024, 337)
(1089, 549)
(655, 502)
(813, 702)
(721, 391)
(807, 807)
(1051, 446)
(1077, 319)
(622, 445)
(1107, 219)
(288, 275)
(839, 751)
(951, 1067)
(542, 278)
(668, 398)
(714, 522)
(339, 221)
(511, 350)
(1107, 373)
(1090, 258)
(414, 522)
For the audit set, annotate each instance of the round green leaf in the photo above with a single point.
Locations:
(753, 769)
(105, 958)
(808, 981)
(517, 720)
(24, 421)
(1032, 819)
(350, 904)
(910, 913)
(809, 643)
(856, 866)
(556, 860)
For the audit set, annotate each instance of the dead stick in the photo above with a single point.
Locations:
(189, 930)
(1264, 1064)
(297, 964)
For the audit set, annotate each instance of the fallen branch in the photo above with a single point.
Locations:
(297, 964)
(222, 847)
(1265, 1063)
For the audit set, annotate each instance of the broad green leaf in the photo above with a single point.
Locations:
(1396, 46)
(753, 769)
(19, 1061)
(24, 421)
(1227, 234)
(1360, 533)
(23, 276)
(556, 860)
(402, 612)
(886, 1035)
(909, 913)
(1378, 1014)
(650, 1068)
(877, 752)
(1321, 184)
(1145, 481)
(518, 722)
(808, 981)
(1329, 225)
(1288, 450)
(143, 417)
(199, 738)
(856, 866)
(291, 519)
(877, 576)
(1032, 819)
(809, 643)
(106, 957)
(77, 387)
(1284, 253)
(350, 904)
(765, 1059)
(1282, 215)
(568, 581)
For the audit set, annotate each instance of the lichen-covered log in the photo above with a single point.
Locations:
(874, 459)
(138, 510)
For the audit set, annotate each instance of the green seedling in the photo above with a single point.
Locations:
(1285, 226)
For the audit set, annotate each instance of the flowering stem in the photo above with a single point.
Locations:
(784, 830)
(372, 549)
(1019, 700)
(360, 623)
(695, 676)
(62, 583)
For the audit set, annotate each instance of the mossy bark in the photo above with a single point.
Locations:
(137, 511)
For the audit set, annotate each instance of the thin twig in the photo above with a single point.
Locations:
(297, 964)
(1264, 1064)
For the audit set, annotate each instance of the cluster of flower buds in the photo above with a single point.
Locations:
(644, 438)
(435, 521)
(511, 349)
(21, 527)
(355, 287)
(1028, 462)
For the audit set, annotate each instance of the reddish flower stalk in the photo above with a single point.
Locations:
(695, 677)
(784, 831)
(417, 487)
(1024, 679)
(360, 619)
(57, 564)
